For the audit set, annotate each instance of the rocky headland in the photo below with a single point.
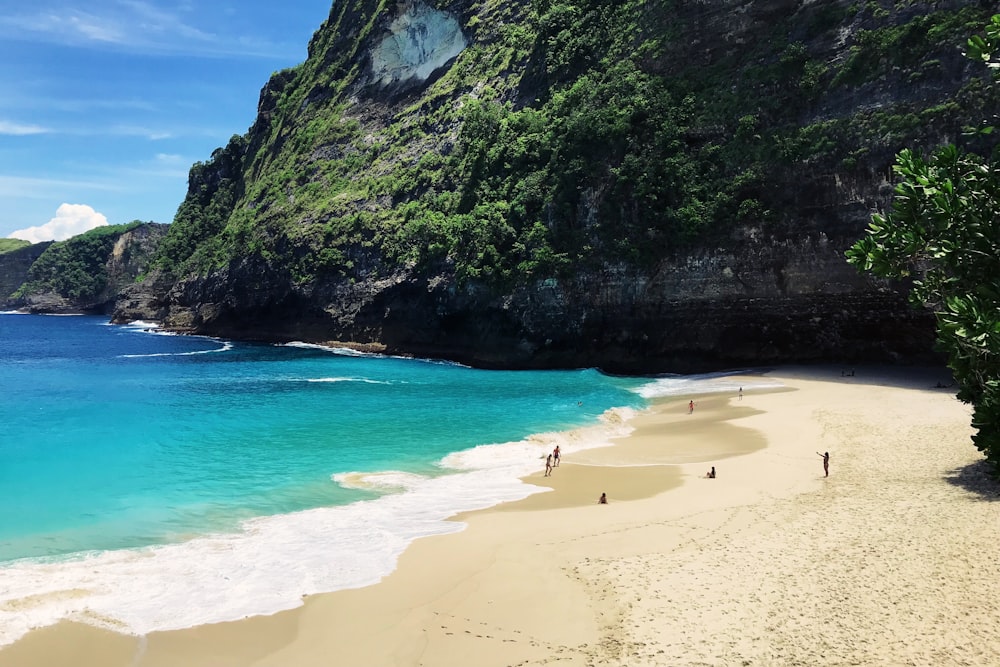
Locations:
(638, 186)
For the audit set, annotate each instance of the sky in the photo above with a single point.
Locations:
(106, 104)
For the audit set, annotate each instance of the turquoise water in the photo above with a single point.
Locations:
(115, 437)
(152, 482)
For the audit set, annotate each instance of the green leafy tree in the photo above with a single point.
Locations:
(943, 233)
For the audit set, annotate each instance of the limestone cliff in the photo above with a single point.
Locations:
(86, 273)
(640, 186)
(14, 266)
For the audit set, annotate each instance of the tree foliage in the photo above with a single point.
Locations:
(76, 268)
(943, 232)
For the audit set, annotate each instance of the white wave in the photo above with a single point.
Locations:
(13, 312)
(275, 561)
(226, 346)
(389, 480)
(342, 351)
(710, 383)
(351, 352)
(345, 379)
(142, 325)
(521, 457)
(269, 566)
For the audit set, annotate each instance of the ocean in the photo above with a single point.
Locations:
(152, 481)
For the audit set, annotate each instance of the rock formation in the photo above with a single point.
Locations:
(14, 266)
(44, 283)
(639, 186)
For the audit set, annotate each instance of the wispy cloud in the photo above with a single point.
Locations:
(133, 25)
(43, 188)
(70, 26)
(20, 129)
(139, 131)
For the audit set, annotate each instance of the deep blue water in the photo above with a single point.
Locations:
(115, 437)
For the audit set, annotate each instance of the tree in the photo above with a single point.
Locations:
(943, 232)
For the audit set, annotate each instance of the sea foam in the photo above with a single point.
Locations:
(276, 561)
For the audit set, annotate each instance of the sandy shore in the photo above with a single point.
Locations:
(891, 560)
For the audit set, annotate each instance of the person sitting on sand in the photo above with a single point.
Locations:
(603, 500)
(711, 473)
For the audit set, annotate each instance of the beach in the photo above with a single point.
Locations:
(891, 560)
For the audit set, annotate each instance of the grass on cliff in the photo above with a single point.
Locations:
(8, 245)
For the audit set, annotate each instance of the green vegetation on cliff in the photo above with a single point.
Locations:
(76, 268)
(568, 134)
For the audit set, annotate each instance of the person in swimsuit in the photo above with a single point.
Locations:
(603, 500)
(826, 463)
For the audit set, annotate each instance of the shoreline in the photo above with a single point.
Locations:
(685, 570)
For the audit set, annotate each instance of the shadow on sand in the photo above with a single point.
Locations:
(977, 478)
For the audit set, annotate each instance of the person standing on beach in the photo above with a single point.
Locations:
(555, 457)
(826, 463)
(690, 407)
(548, 465)
(741, 393)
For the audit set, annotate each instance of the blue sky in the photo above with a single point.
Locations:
(105, 104)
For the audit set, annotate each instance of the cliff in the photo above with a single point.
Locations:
(640, 186)
(14, 266)
(83, 274)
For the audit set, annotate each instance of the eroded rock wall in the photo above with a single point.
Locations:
(14, 268)
(771, 290)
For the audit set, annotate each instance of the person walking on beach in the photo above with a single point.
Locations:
(548, 465)
(741, 393)
(555, 457)
(690, 407)
(826, 463)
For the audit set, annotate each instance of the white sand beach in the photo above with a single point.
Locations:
(891, 560)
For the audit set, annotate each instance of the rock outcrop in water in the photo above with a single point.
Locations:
(639, 186)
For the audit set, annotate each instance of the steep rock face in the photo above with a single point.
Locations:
(360, 157)
(128, 257)
(14, 267)
(421, 40)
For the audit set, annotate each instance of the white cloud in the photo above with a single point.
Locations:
(70, 220)
(171, 159)
(19, 129)
(139, 131)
